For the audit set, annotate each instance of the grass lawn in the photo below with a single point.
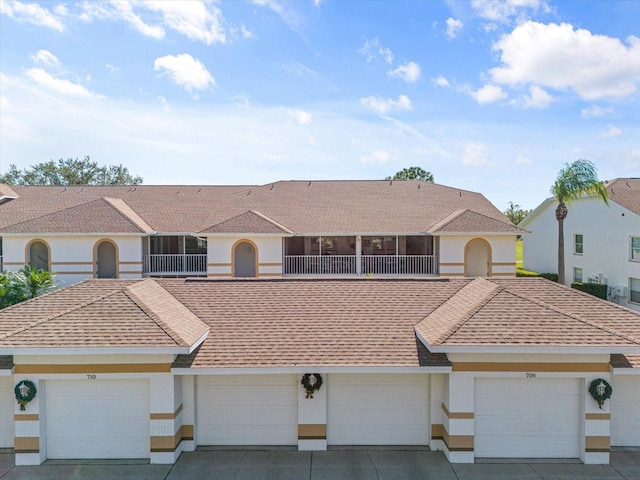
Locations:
(519, 253)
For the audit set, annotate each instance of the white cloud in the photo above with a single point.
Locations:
(379, 156)
(440, 81)
(31, 13)
(596, 111)
(246, 33)
(372, 50)
(611, 132)
(197, 20)
(537, 98)
(505, 10)
(46, 58)
(282, 9)
(185, 71)
(488, 94)
(64, 87)
(522, 160)
(300, 117)
(385, 105)
(475, 155)
(124, 10)
(4, 103)
(409, 72)
(454, 27)
(111, 68)
(559, 57)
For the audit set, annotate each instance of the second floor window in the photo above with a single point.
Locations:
(578, 245)
(634, 290)
(635, 249)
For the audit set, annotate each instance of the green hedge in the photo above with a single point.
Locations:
(596, 289)
(528, 273)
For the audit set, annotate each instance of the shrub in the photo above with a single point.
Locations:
(596, 289)
(528, 273)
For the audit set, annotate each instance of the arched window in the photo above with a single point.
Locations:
(38, 255)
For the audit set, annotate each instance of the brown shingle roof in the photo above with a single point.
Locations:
(324, 322)
(101, 313)
(528, 312)
(317, 207)
(249, 221)
(625, 192)
(625, 361)
(467, 221)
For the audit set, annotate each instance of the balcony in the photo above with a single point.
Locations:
(369, 265)
(171, 265)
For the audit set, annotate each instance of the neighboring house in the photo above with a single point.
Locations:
(602, 243)
(284, 229)
(484, 367)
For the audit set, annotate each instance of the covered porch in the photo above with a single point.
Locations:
(360, 255)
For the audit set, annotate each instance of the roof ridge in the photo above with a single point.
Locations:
(468, 312)
(270, 220)
(574, 316)
(448, 219)
(132, 293)
(58, 314)
(132, 216)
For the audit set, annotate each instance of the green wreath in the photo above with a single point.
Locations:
(600, 390)
(25, 392)
(311, 383)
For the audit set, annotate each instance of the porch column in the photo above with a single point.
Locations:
(359, 254)
(312, 417)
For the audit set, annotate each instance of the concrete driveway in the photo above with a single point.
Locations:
(366, 464)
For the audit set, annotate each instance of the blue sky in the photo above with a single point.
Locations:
(490, 96)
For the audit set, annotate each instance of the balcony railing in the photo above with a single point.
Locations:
(369, 265)
(320, 265)
(178, 264)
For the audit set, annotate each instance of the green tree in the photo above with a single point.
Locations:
(412, 173)
(574, 180)
(26, 283)
(516, 213)
(71, 171)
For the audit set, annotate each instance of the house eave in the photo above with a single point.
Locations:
(302, 369)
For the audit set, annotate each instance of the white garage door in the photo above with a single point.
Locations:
(7, 400)
(247, 410)
(625, 411)
(97, 419)
(527, 418)
(376, 409)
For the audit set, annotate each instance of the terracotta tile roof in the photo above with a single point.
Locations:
(101, 313)
(304, 207)
(249, 221)
(6, 362)
(528, 312)
(625, 361)
(625, 192)
(466, 221)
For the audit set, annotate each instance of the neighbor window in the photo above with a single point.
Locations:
(578, 244)
(634, 290)
(577, 275)
(635, 249)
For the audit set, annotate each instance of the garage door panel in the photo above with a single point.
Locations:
(625, 411)
(525, 418)
(97, 419)
(247, 410)
(377, 409)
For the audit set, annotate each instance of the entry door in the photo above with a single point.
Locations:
(106, 260)
(477, 258)
(244, 260)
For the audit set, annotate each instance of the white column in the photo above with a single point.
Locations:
(312, 417)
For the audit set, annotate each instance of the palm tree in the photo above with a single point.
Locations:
(574, 180)
(29, 282)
